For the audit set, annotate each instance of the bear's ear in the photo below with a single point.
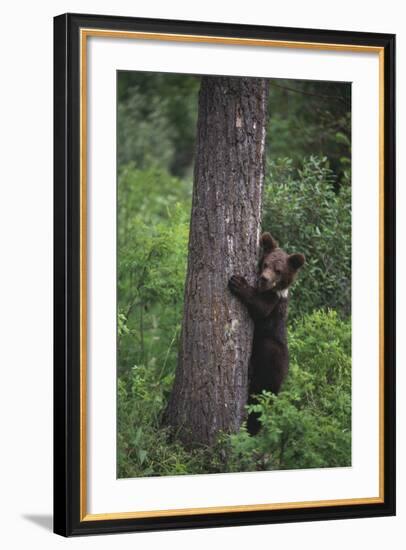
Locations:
(296, 261)
(268, 243)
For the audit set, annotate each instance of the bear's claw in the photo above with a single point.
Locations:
(237, 283)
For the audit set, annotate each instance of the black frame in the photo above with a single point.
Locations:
(67, 275)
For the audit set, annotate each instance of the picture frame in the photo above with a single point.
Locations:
(72, 204)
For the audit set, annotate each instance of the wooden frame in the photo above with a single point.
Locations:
(70, 36)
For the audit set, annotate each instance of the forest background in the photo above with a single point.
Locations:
(306, 206)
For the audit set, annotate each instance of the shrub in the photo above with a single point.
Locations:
(309, 423)
(143, 449)
(153, 214)
(305, 214)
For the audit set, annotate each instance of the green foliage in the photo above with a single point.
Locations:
(153, 229)
(157, 115)
(310, 118)
(308, 425)
(142, 447)
(305, 214)
(307, 206)
(156, 120)
(149, 194)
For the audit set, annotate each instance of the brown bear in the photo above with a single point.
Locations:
(267, 304)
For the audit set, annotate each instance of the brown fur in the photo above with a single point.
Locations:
(267, 304)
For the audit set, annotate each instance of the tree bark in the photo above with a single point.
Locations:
(211, 382)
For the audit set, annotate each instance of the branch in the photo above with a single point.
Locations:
(338, 98)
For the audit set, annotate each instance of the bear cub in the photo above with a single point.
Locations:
(267, 303)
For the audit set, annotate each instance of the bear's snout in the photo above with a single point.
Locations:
(265, 282)
(264, 279)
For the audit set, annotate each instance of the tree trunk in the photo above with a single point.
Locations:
(211, 382)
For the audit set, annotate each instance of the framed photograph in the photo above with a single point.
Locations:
(224, 274)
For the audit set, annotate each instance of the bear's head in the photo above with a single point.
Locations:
(277, 269)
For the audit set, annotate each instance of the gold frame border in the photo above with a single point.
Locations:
(173, 37)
